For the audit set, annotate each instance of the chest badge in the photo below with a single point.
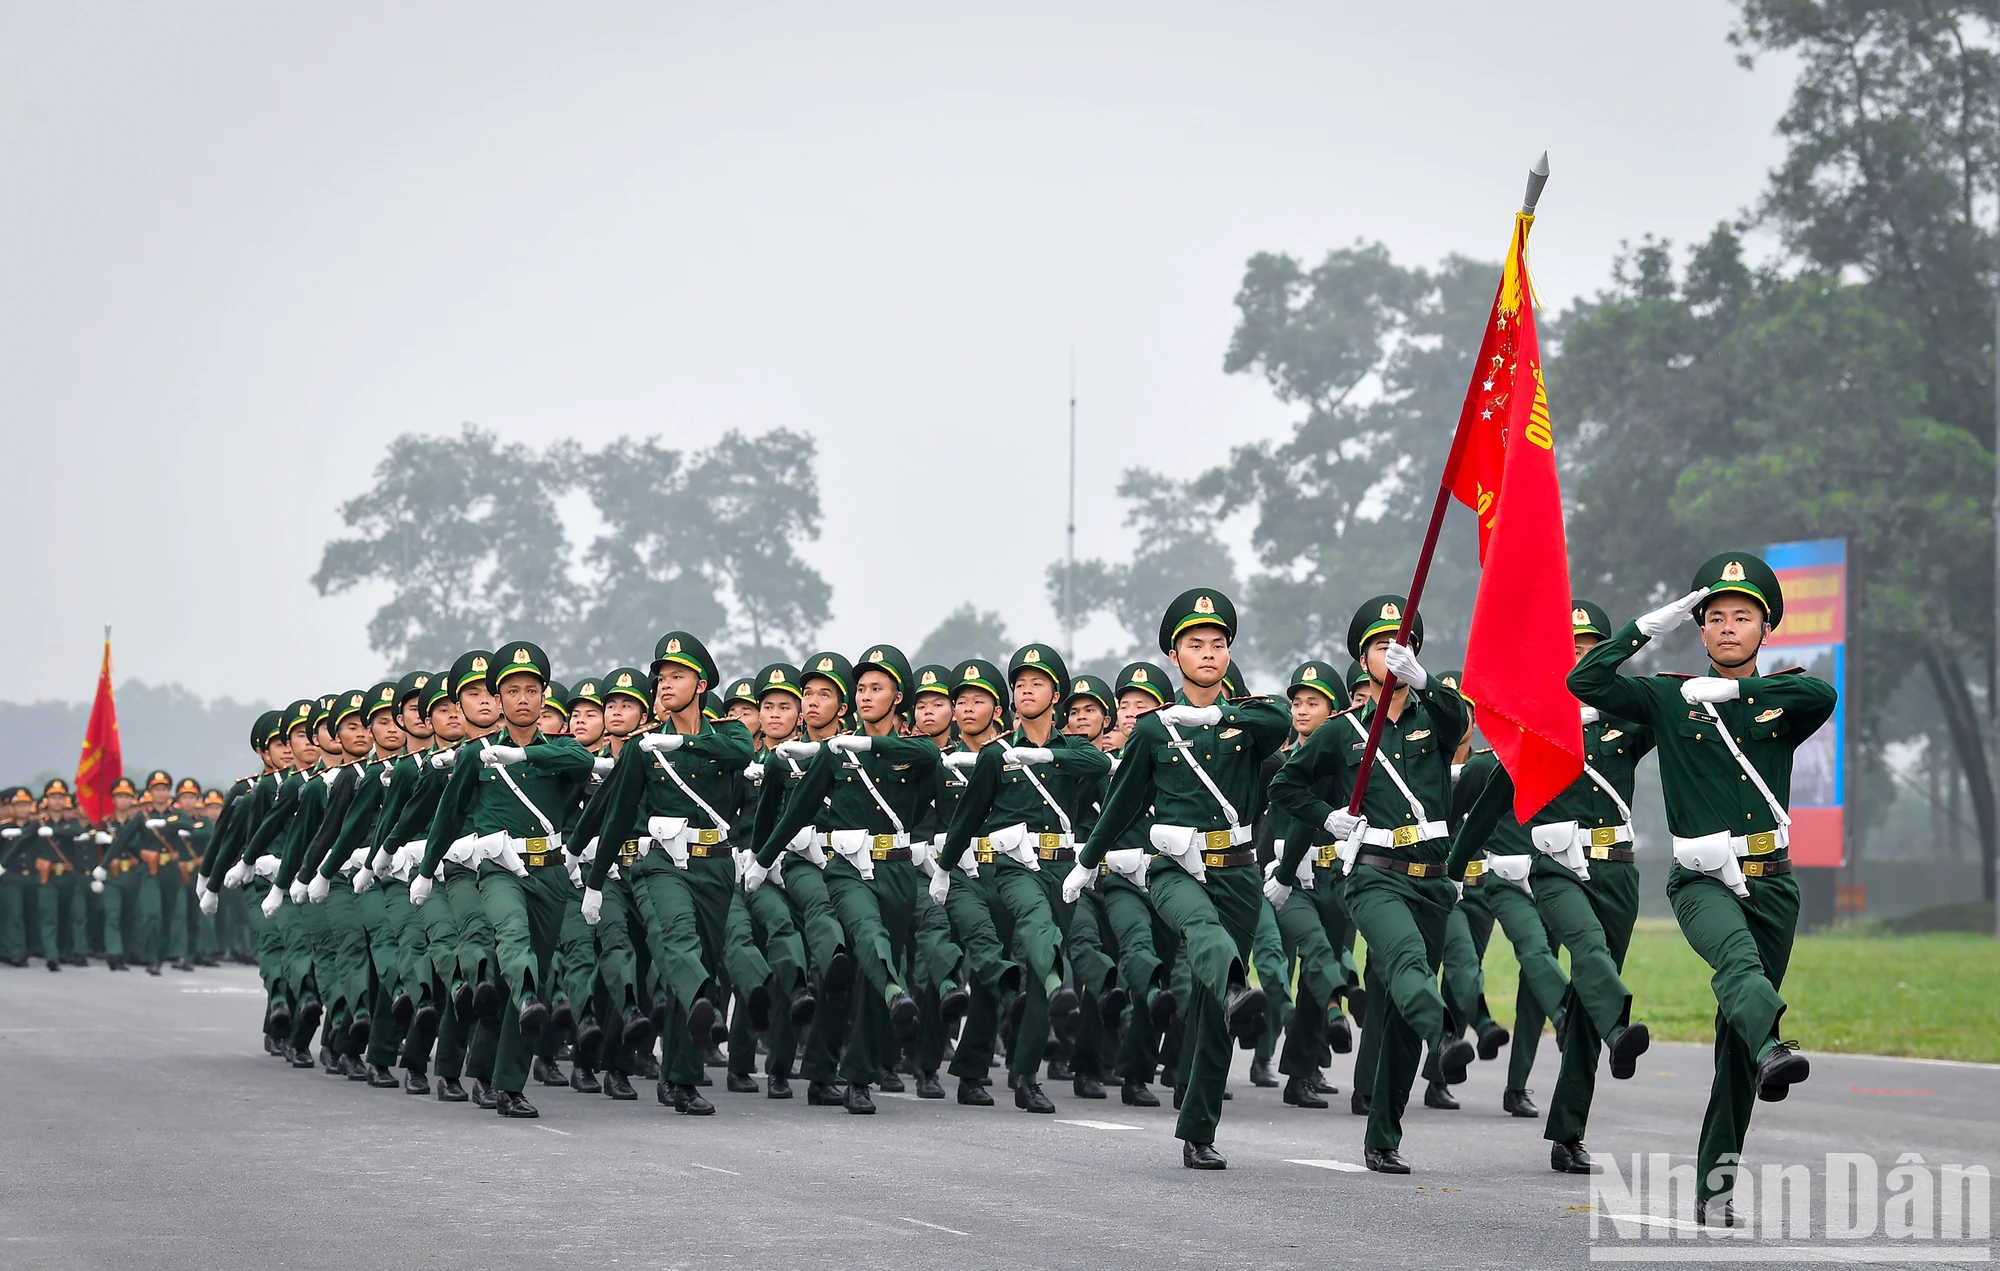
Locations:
(1610, 733)
(1418, 735)
(1230, 732)
(1770, 715)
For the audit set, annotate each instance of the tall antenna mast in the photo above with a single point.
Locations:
(1069, 564)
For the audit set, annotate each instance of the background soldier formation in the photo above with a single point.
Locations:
(861, 871)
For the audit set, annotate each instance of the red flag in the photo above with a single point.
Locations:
(103, 761)
(1520, 650)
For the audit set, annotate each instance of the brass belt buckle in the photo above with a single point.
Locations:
(1604, 836)
(1215, 860)
(1753, 869)
(1474, 869)
(537, 846)
(1217, 840)
(983, 855)
(709, 837)
(537, 859)
(1327, 855)
(1425, 871)
(1598, 853)
(1763, 844)
(1405, 835)
(629, 850)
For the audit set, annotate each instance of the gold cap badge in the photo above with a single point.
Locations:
(1579, 618)
(1204, 605)
(1390, 613)
(1733, 572)
(929, 678)
(423, 680)
(874, 655)
(969, 672)
(625, 680)
(825, 664)
(1139, 676)
(777, 677)
(479, 665)
(521, 657)
(1032, 655)
(673, 646)
(1083, 686)
(1310, 673)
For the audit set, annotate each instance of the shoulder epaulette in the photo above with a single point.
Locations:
(1674, 675)
(1349, 711)
(1483, 750)
(1787, 670)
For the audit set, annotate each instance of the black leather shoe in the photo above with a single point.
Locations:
(486, 1000)
(1491, 1038)
(1438, 1095)
(1260, 1075)
(972, 1094)
(839, 972)
(619, 1086)
(53, 965)
(638, 1030)
(904, 1017)
(888, 1082)
(1180, 1093)
(1516, 1103)
(1318, 1084)
(1059, 1070)
(691, 1101)
(1202, 1156)
(1028, 1097)
(1137, 1094)
(310, 1011)
(182, 965)
(1300, 1095)
(1384, 1160)
(300, 1059)
(1161, 1011)
(758, 1003)
(462, 1004)
(777, 1087)
(402, 1010)
(1357, 1103)
(1245, 1013)
(1065, 1012)
(857, 1101)
(714, 1058)
(1709, 1212)
(1111, 1009)
(589, 1041)
(929, 1087)
(740, 1084)
(1452, 1059)
(1780, 1070)
(511, 1104)
(482, 1095)
(533, 1015)
(111, 963)
(546, 1073)
(647, 1067)
(825, 1094)
(562, 1018)
(1357, 1005)
(359, 1029)
(1340, 1034)
(700, 1019)
(804, 1006)
(381, 1078)
(1087, 1086)
(356, 1070)
(449, 1091)
(416, 1082)
(1572, 1158)
(279, 1022)
(1625, 1051)
(953, 1005)
(152, 968)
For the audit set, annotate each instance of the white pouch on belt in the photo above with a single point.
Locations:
(806, 844)
(1182, 845)
(1129, 863)
(670, 835)
(1560, 840)
(853, 846)
(1012, 840)
(1513, 869)
(1715, 856)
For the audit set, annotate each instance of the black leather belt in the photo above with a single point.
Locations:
(1415, 869)
(1766, 869)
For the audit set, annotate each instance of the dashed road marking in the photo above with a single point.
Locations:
(1345, 1167)
(715, 1169)
(1097, 1125)
(934, 1227)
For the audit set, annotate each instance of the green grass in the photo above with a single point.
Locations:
(1855, 990)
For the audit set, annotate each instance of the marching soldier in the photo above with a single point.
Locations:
(17, 843)
(62, 869)
(131, 871)
(1726, 742)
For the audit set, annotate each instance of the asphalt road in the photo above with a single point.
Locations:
(144, 1127)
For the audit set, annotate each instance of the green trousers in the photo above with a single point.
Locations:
(683, 911)
(1309, 921)
(476, 960)
(1215, 921)
(980, 926)
(1592, 919)
(69, 909)
(1273, 962)
(879, 916)
(1403, 920)
(762, 920)
(1144, 947)
(619, 940)
(1091, 960)
(173, 913)
(1543, 986)
(132, 911)
(303, 928)
(1748, 944)
(1037, 931)
(527, 917)
(16, 886)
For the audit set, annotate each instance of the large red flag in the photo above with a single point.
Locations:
(1520, 650)
(103, 761)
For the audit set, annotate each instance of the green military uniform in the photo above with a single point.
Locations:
(1199, 772)
(1725, 747)
(1395, 887)
(177, 932)
(132, 892)
(17, 843)
(1089, 942)
(62, 860)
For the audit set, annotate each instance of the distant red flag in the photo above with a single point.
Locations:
(103, 761)
(1520, 649)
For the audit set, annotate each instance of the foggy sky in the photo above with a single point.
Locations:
(247, 245)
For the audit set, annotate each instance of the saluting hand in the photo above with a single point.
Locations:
(1181, 715)
(501, 756)
(1711, 688)
(662, 743)
(1670, 615)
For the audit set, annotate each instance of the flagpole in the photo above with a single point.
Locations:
(1538, 176)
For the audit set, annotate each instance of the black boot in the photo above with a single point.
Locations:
(1710, 1212)
(1626, 1048)
(758, 1003)
(486, 1002)
(54, 965)
(562, 1018)
(929, 1087)
(546, 1073)
(1260, 1075)
(740, 1083)
(839, 972)
(1384, 1160)
(583, 1080)
(1516, 1103)
(1438, 1095)
(1452, 1058)
(512, 1104)
(1087, 1086)
(804, 1006)
(1065, 1016)
(402, 1010)
(381, 1078)
(857, 1102)
(533, 1015)
(618, 1086)
(1300, 1095)
(449, 1091)
(1245, 1013)
(1059, 1069)
(777, 1086)
(825, 1094)
(700, 1019)
(1357, 1103)
(1340, 1035)
(1318, 1084)
(903, 1018)
(638, 1031)
(690, 1101)
(1028, 1097)
(359, 1029)
(1111, 1008)
(482, 1095)
(1779, 1070)
(416, 1082)
(888, 1082)
(1137, 1094)
(1202, 1156)
(1572, 1158)
(972, 1094)
(1491, 1038)
(953, 1005)
(463, 1002)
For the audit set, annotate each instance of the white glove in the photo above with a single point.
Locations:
(1711, 688)
(236, 875)
(1025, 755)
(319, 889)
(662, 743)
(593, 905)
(387, 778)
(186, 834)
(1181, 715)
(444, 759)
(297, 894)
(152, 823)
(381, 861)
(96, 886)
(200, 886)
(603, 765)
(1459, 883)
(103, 839)
(960, 759)
(46, 832)
(798, 749)
(754, 773)
(420, 889)
(364, 878)
(99, 874)
(1076, 881)
(1276, 892)
(272, 899)
(573, 866)
(210, 902)
(501, 756)
(1670, 615)
(1341, 824)
(1403, 664)
(1590, 715)
(753, 873)
(850, 743)
(940, 885)
(11, 832)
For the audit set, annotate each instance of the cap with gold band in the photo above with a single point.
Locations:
(298, 715)
(158, 777)
(629, 681)
(520, 657)
(1150, 678)
(981, 674)
(187, 785)
(1588, 618)
(352, 702)
(590, 690)
(1377, 615)
(741, 690)
(678, 648)
(934, 678)
(1747, 574)
(124, 785)
(268, 726)
(555, 696)
(472, 667)
(831, 667)
(382, 697)
(779, 677)
(1319, 677)
(413, 685)
(1196, 607)
(1043, 659)
(55, 785)
(887, 658)
(437, 693)
(213, 798)
(1092, 687)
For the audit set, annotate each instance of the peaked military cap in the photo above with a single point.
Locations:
(124, 786)
(55, 785)
(1092, 687)
(298, 715)
(629, 681)
(471, 668)
(1451, 678)
(779, 677)
(1376, 615)
(413, 685)
(521, 657)
(158, 777)
(833, 668)
(19, 794)
(711, 705)
(1741, 571)
(186, 785)
(742, 690)
(1587, 617)
(556, 694)
(1318, 675)
(887, 657)
(1043, 658)
(352, 702)
(266, 727)
(681, 649)
(1148, 677)
(1356, 676)
(590, 690)
(382, 698)
(979, 673)
(437, 692)
(1234, 682)
(1197, 607)
(213, 798)
(933, 678)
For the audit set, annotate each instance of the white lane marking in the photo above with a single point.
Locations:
(714, 1169)
(1345, 1167)
(934, 1227)
(1097, 1125)
(553, 1130)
